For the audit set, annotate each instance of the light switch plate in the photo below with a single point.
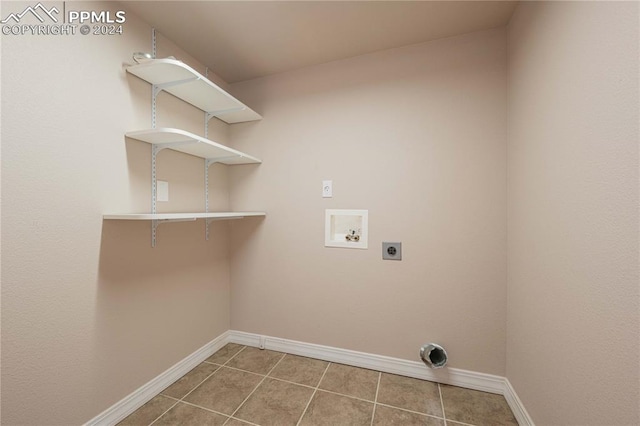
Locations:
(327, 188)
(162, 190)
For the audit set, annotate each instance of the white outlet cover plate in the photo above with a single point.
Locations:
(327, 188)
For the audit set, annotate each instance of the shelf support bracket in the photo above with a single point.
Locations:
(207, 163)
(157, 222)
(160, 147)
(157, 88)
(210, 114)
(211, 161)
(208, 222)
(161, 87)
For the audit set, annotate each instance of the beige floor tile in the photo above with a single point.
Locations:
(351, 381)
(256, 360)
(411, 394)
(225, 353)
(275, 403)
(184, 414)
(150, 411)
(331, 410)
(193, 378)
(225, 390)
(386, 416)
(298, 369)
(236, 422)
(475, 407)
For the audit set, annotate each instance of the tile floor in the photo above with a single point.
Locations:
(240, 385)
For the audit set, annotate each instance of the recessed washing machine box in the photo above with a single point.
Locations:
(346, 228)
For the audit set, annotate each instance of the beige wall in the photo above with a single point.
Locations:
(417, 136)
(90, 311)
(573, 318)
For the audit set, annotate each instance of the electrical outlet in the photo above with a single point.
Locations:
(392, 251)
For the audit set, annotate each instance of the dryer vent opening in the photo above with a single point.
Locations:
(433, 355)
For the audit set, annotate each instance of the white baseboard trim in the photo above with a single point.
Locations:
(521, 414)
(416, 369)
(450, 376)
(146, 392)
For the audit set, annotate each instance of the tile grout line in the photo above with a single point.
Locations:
(313, 394)
(229, 417)
(256, 388)
(217, 369)
(195, 387)
(284, 354)
(444, 416)
(410, 411)
(216, 412)
(244, 371)
(170, 397)
(241, 421)
(165, 412)
(452, 422)
(375, 401)
(293, 383)
(348, 396)
(234, 355)
(205, 408)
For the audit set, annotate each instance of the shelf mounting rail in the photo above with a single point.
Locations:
(155, 149)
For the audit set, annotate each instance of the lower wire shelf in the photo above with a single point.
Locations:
(159, 218)
(181, 216)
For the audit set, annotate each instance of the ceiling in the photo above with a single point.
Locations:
(242, 40)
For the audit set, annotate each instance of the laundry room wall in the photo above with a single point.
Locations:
(573, 348)
(416, 135)
(90, 312)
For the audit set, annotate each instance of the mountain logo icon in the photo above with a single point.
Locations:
(38, 11)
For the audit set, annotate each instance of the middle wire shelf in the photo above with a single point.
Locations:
(189, 143)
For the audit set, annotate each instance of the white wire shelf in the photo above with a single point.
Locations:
(182, 216)
(189, 143)
(186, 83)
